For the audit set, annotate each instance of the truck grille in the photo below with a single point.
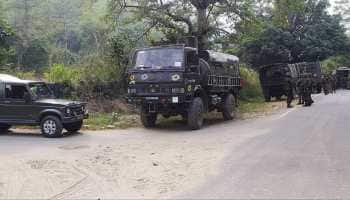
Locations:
(157, 90)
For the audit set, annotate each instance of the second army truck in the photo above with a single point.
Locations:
(273, 77)
(179, 80)
(343, 77)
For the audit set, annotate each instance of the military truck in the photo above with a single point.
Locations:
(314, 69)
(181, 80)
(273, 79)
(343, 77)
(24, 102)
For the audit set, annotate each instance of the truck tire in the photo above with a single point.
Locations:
(51, 127)
(267, 95)
(195, 114)
(4, 128)
(148, 119)
(73, 127)
(229, 108)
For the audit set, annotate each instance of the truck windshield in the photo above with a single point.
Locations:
(40, 90)
(159, 58)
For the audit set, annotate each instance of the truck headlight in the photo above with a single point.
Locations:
(178, 90)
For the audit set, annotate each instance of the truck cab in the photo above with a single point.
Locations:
(179, 80)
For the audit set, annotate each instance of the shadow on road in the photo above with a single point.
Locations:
(175, 125)
(34, 133)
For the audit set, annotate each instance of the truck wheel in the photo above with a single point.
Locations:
(4, 128)
(51, 127)
(73, 127)
(195, 114)
(148, 119)
(267, 95)
(229, 107)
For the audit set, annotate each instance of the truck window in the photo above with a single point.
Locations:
(15, 91)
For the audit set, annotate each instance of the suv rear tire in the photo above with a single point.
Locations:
(196, 114)
(4, 128)
(51, 127)
(148, 119)
(73, 127)
(229, 107)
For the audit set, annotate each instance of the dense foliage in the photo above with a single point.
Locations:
(86, 43)
(300, 31)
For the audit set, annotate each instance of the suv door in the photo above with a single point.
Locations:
(2, 99)
(17, 109)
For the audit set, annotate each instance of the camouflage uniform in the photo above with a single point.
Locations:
(308, 85)
(300, 90)
(289, 87)
(334, 84)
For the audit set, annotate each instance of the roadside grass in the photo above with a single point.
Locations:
(246, 110)
(123, 120)
(101, 121)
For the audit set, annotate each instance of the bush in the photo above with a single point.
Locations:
(251, 88)
(333, 63)
(59, 73)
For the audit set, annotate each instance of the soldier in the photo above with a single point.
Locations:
(289, 89)
(308, 91)
(300, 90)
(325, 84)
(334, 84)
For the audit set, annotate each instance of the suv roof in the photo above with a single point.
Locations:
(12, 79)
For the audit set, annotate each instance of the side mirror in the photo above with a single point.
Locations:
(27, 97)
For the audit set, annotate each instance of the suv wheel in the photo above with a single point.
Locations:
(229, 107)
(51, 127)
(148, 119)
(196, 114)
(73, 127)
(4, 128)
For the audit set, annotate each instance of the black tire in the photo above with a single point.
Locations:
(196, 114)
(267, 95)
(74, 127)
(4, 128)
(184, 116)
(148, 119)
(51, 127)
(229, 107)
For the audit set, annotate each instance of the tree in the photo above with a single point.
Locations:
(342, 8)
(303, 31)
(201, 18)
(5, 43)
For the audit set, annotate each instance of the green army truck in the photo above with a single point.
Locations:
(343, 77)
(180, 80)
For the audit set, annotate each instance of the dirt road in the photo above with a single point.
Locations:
(286, 154)
(135, 163)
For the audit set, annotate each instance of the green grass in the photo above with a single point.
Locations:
(252, 106)
(102, 121)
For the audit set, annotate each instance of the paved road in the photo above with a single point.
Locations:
(304, 153)
(297, 153)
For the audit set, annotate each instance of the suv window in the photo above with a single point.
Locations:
(15, 91)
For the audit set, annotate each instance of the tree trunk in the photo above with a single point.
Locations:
(202, 28)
